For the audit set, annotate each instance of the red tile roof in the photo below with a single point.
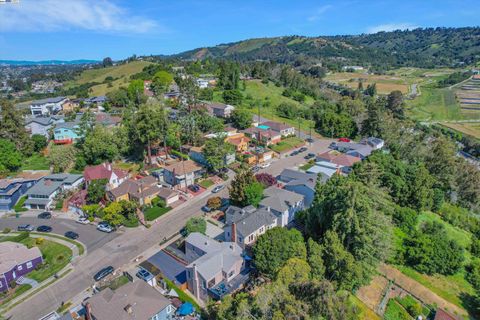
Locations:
(443, 315)
(339, 158)
(102, 171)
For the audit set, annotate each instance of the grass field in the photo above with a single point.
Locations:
(385, 83)
(364, 312)
(463, 237)
(435, 104)
(395, 311)
(36, 162)
(470, 129)
(120, 74)
(155, 212)
(287, 144)
(206, 183)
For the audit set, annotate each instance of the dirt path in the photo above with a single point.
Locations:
(418, 290)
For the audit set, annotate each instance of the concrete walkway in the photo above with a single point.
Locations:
(25, 280)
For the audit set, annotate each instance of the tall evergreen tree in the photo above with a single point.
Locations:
(12, 127)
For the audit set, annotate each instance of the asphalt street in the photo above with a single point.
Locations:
(125, 248)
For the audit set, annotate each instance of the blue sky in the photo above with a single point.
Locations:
(93, 29)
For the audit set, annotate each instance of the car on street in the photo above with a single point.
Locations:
(302, 149)
(144, 275)
(218, 188)
(194, 187)
(265, 165)
(25, 227)
(83, 220)
(103, 273)
(294, 153)
(104, 227)
(44, 228)
(206, 209)
(255, 169)
(72, 235)
(309, 156)
(45, 215)
(309, 140)
(225, 204)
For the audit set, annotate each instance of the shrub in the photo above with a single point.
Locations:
(196, 224)
(159, 202)
(214, 203)
(39, 241)
(6, 230)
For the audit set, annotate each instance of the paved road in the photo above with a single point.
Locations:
(88, 234)
(125, 248)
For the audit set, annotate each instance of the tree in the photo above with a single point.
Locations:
(441, 162)
(10, 158)
(294, 271)
(233, 97)
(135, 92)
(160, 82)
(229, 75)
(100, 145)
(39, 142)
(241, 119)
(214, 203)
(315, 259)
(113, 214)
(467, 180)
(372, 125)
(107, 62)
(196, 224)
(371, 90)
(62, 157)
(189, 89)
(118, 98)
(395, 104)
(333, 124)
(215, 151)
(287, 110)
(266, 179)
(12, 127)
(275, 247)
(253, 194)
(96, 191)
(206, 94)
(91, 210)
(473, 273)
(242, 180)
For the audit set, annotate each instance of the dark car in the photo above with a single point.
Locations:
(44, 229)
(103, 273)
(144, 275)
(302, 149)
(255, 169)
(25, 227)
(310, 156)
(44, 215)
(223, 170)
(72, 235)
(206, 209)
(309, 140)
(194, 188)
(294, 153)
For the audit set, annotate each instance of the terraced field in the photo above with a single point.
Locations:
(385, 83)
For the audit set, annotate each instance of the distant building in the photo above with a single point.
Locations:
(16, 260)
(284, 129)
(42, 125)
(46, 107)
(344, 161)
(202, 83)
(66, 132)
(221, 110)
(134, 300)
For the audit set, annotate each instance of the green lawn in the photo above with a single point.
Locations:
(395, 311)
(155, 212)
(181, 295)
(19, 205)
(118, 282)
(206, 183)
(306, 166)
(365, 313)
(56, 256)
(463, 237)
(36, 162)
(435, 104)
(80, 247)
(287, 144)
(5, 298)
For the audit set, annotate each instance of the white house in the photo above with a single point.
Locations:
(283, 204)
(46, 107)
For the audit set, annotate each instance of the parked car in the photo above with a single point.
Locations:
(255, 169)
(144, 275)
(103, 273)
(104, 227)
(309, 156)
(194, 187)
(72, 235)
(45, 215)
(309, 140)
(83, 220)
(206, 209)
(25, 227)
(265, 165)
(302, 149)
(225, 204)
(44, 229)
(294, 153)
(218, 188)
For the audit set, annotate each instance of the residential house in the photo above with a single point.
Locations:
(134, 300)
(265, 136)
(259, 157)
(95, 102)
(239, 140)
(301, 183)
(325, 168)
(42, 125)
(284, 204)
(344, 161)
(202, 83)
(11, 190)
(284, 129)
(182, 174)
(114, 177)
(47, 107)
(42, 194)
(375, 143)
(69, 106)
(214, 267)
(221, 110)
(16, 260)
(196, 154)
(441, 314)
(107, 120)
(66, 132)
(359, 150)
(244, 225)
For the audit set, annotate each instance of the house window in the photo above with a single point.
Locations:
(20, 267)
(1, 284)
(231, 274)
(204, 284)
(29, 264)
(169, 308)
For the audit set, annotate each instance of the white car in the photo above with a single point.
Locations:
(265, 165)
(105, 228)
(83, 220)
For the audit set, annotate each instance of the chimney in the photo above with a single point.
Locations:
(234, 232)
(128, 309)
(88, 311)
(109, 167)
(338, 169)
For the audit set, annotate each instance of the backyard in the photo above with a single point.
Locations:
(287, 144)
(36, 162)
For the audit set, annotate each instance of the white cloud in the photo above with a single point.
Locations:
(60, 15)
(391, 27)
(319, 12)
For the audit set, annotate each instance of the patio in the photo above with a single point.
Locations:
(220, 290)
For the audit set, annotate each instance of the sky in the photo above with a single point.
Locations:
(94, 29)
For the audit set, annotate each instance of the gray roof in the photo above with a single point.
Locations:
(67, 125)
(219, 256)
(51, 183)
(247, 220)
(288, 175)
(44, 121)
(140, 298)
(280, 199)
(13, 254)
(48, 100)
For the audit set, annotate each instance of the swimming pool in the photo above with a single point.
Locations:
(263, 127)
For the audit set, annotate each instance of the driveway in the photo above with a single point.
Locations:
(88, 234)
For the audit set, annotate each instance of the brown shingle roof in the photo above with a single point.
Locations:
(166, 193)
(183, 167)
(443, 315)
